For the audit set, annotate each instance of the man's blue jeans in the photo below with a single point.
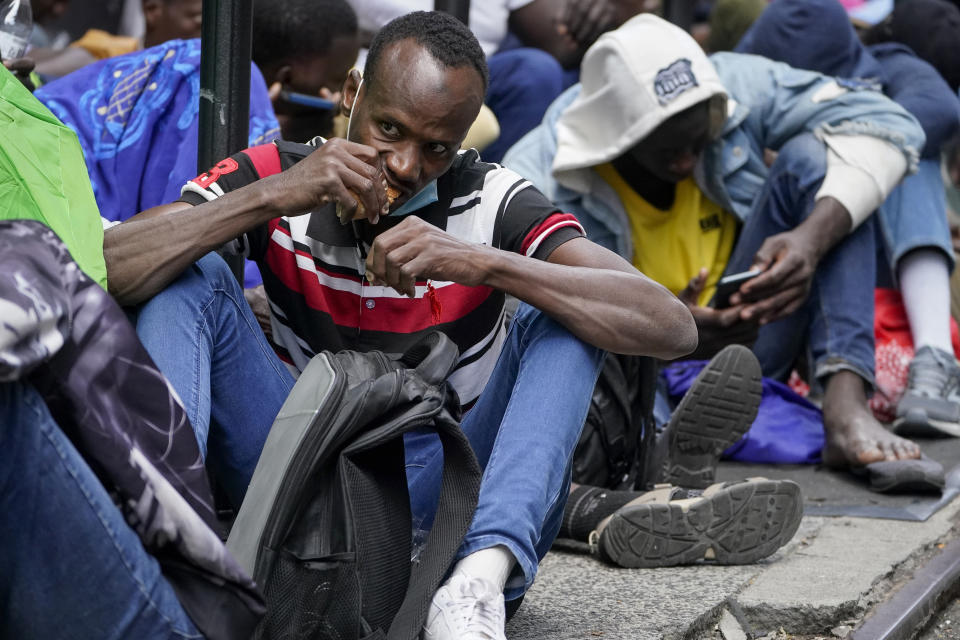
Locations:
(836, 322)
(203, 336)
(913, 217)
(65, 542)
(524, 427)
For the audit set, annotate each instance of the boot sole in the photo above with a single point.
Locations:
(740, 524)
(715, 413)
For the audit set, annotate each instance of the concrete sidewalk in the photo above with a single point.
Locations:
(828, 576)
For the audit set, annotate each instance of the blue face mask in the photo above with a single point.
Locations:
(422, 198)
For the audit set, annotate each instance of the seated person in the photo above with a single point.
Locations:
(164, 20)
(305, 47)
(77, 393)
(915, 237)
(458, 237)
(106, 517)
(660, 152)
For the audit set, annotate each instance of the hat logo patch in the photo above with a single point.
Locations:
(674, 80)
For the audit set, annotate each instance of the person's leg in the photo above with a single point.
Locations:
(203, 336)
(916, 238)
(837, 320)
(523, 83)
(523, 430)
(70, 567)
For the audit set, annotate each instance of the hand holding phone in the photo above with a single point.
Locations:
(729, 285)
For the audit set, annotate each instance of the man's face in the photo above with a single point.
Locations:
(671, 152)
(171, 20)
(314, 76)
(415, 113)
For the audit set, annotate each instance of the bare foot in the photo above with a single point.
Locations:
(854, 437)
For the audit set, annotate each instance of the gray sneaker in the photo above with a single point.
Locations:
(931, 403)
(737, 522)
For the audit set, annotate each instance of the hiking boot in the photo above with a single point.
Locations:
(930, 405)
(730, 523)
(466, 608)
(713, 415)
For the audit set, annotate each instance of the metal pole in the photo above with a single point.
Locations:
(225, 52)
(680, 12)
(459, 9)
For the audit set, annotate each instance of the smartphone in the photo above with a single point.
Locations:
(729, 285)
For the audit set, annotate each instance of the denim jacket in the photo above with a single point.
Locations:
(769, 103)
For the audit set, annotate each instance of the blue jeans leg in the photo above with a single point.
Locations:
(204, 338)
(71, 568)
(914, 217)
(523, 83)
(524, 429)
(836, 322)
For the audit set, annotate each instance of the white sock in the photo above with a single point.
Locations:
(925, 287)
(493, 564)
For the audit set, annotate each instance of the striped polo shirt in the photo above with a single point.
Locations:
(313, 267)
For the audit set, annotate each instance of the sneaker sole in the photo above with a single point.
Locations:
(918, 425)
(740, 524)
(715, 413)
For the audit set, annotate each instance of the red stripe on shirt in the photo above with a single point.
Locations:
(540, 229)
(347, 309)
(265, 159)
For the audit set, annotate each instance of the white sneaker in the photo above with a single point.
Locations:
(466, 608)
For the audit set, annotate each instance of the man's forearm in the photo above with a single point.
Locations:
(147, 252)
(603, 304)
(827, 224)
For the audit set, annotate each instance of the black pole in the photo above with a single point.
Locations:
(680, 12)
(459, 9)
(225, 52)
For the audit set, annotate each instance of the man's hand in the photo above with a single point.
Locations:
(717, 328)
(788, 261)
(416, 250)
(21, 68)
(583, 21)
(340, 171)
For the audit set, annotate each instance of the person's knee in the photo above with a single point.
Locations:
(534, 71)
(804, 157)
(215, 271)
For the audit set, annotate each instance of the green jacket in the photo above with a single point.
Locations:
(43, 176)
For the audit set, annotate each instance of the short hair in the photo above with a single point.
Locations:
(291, 29)
(447, 39)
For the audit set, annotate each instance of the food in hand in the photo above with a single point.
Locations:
(361, 212)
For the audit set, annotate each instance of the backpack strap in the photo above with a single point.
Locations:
(460, 489)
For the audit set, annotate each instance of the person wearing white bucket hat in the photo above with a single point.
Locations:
(660, 153)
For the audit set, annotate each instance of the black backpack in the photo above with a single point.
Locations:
(616, 446)
(325, 527)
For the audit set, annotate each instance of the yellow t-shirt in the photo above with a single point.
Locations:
(671, 246)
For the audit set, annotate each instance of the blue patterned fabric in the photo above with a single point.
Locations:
(137, 119)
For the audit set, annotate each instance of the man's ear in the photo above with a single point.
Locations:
(283, 75)
(349, 94)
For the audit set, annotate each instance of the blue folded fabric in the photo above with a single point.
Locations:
(788, 428)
